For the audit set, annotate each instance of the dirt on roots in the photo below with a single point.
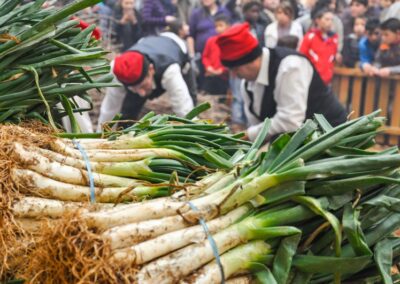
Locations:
(14, 240)
(70, 252)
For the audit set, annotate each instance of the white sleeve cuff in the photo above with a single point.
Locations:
(253, 131)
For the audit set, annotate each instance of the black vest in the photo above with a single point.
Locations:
(320, 97)
(162, 52)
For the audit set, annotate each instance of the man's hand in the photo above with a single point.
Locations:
(213, 72)
(246, 136)
(369, 69)
(169, 19)
(383, 72)
(128, 17)
(339, 58)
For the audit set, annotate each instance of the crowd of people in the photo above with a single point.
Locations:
(361, 34)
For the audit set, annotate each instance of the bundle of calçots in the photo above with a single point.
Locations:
(276, 217)
(165, 153)
(46, 59)
(46, 176)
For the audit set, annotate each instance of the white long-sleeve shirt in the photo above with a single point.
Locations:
(271, 33)
(290, 94)
(172, 81)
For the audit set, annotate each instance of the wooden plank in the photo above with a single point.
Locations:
(383, 103)
(383, 99)
(350, 72)
(370, 96)
(392, 130)
(356, 72)
(336, 84)
(395, 120)
(343, 90)
(356, 97)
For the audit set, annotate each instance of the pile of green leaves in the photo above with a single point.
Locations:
(45, 59)
(352, 237)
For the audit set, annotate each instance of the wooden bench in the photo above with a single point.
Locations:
(362, 94)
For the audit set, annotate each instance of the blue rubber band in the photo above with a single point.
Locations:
(211, 241)
(89, 170)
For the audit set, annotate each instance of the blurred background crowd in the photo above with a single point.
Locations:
(361, 34)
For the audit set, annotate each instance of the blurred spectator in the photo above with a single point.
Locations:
(156, 14)
(351, 53)
(368, 46)
(267, 14)
(306, 22)
(288, 41)
(104, 15)
(283, 26)
(297, 8)
(251, 14)
(385, 5)
(308, 5)
(235, 9)
(110, 3)
(216, 76)
(358, 8)
(184, 7)
(374, 9)
(201, 23)
(180, 29)
(201, 28)
(128, 26)
(388, 57)
(393, 11)
(320, 45)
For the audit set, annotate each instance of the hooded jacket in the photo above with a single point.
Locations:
(321, 51)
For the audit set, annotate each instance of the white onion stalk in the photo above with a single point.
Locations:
(125, 141)
(60, 172)
(36, 207)
(100, 155)
(130, 169)
(222, 183)
(155, 209)
(59, 146)
(232, 261)
(131, 234)
(33, 225)
(146, 210)
(44, 186)
(211, 204)
(153, 248)
(210, 181)
(175, 266)
(133, 169)
(83, 141)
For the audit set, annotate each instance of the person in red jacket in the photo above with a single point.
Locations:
(216, 75)
(320, 44)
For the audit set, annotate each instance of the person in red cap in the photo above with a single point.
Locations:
(279, 83)
(153, 66)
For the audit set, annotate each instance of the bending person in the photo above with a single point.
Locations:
(278, 83)
(153, 66)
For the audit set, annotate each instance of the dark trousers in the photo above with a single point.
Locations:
(133, 104)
